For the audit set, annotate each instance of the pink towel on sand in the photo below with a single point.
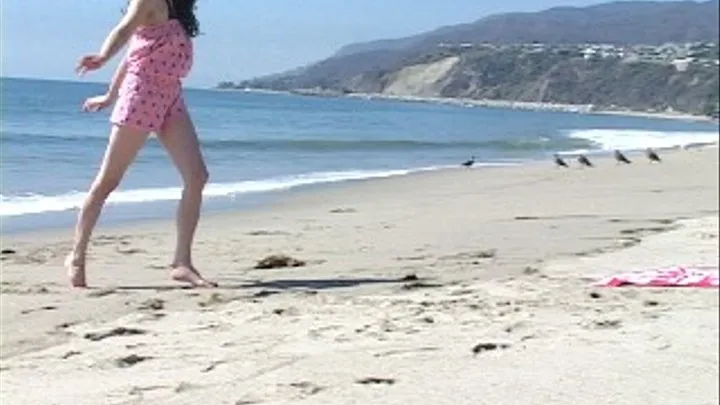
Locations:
(695, 276)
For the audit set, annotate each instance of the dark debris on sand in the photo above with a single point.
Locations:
(279, 262)
(265, 293)
(410, 277)
(343, 210)
(306, 387)
(131, 360)
(487, 347)
(375, 381)
(607, 324)
(119, 331)
(152, 304)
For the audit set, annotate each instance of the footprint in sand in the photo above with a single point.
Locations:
(420, 284)
(606, 324)
(71, 353)
(139, 391)
(45, 308)
(265, 293)
(471, 256)
(217, 299)
(183, 387)
(401, 352)
(645, 231)
(25, 291)
(130, 360)
(213, 366)
(413, 258)
(130, 251)
(526, 218)
(343, 211)
(306, 388)
(262, 232)
(102, 292)
(105, 240)
(43, 254)
(152, 304)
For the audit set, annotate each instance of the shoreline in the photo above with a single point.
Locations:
(487, 103)
(310, 195)
(278, 198)
(281, 197)
(404, 279)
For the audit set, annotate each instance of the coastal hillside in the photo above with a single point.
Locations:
(619, 23)
(614, 64)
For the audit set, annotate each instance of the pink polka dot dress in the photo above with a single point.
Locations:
(159, 56)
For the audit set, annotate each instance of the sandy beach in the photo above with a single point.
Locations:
(467, 286)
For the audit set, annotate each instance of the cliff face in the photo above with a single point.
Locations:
(535, 76)
(540, 77)
(427, 79)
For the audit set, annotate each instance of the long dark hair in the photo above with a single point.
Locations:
(184, 12)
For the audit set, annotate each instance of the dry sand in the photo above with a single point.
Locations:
(504, 257)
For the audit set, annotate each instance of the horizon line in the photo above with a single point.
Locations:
(51, 79)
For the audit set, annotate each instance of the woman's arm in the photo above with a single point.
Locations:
(117, 79)
(135, 16)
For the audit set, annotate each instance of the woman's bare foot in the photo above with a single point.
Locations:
(188, 274)
(75, 266)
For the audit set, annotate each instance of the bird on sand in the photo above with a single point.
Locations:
(470, 162)
(652, 155)
(620, 158)
(559, 161)
(583, 160)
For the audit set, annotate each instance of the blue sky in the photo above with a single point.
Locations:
(243, 39)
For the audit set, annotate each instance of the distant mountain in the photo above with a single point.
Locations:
(546, 56)
(628, 22)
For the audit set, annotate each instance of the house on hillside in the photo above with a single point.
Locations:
(590, 53)
(603, 51)
(681, 64)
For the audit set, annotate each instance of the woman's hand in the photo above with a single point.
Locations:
(90, 62)
(98, 103)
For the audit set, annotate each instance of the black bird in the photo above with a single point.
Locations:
(470, 162)
(559, 161)
(652, 155)
(621, 158)
(583, 160)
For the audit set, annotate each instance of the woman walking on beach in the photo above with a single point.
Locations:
(147, 93)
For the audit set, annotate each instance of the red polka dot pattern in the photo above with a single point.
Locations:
(147, 104)
(159, 56)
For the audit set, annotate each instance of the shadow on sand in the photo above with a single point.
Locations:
(282, 284)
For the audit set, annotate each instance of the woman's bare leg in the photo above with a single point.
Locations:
(123, 146)
(181, 141)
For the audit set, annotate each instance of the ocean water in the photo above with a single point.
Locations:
(258, 146)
